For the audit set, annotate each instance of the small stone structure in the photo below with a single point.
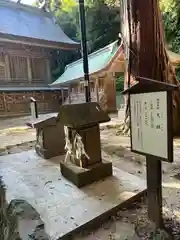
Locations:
(83, 162)
(50, 140)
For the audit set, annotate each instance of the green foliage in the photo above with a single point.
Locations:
(68, 5)
(171, 17)
(120, 82)
(102, 20)
(167, 5)
(178, 72)
(102, 26)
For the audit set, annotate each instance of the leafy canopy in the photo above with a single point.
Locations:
(103, 23)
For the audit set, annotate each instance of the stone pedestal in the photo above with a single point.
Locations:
(83, 163)
(50, 139)
(84, 176)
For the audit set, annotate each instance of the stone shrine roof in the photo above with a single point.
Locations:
(82, 115)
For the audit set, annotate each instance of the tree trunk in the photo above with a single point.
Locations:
(145, 52)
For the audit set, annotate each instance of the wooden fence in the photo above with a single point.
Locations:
(18, 103)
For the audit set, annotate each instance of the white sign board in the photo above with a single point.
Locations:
(149, 131)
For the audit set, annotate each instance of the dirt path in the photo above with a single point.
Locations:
(119, 227)
(122, 227)
(18, 121)
(14, 131)
(21, 121)
(117, 149)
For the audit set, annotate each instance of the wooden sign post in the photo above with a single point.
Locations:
(33, 106)
(152, 135)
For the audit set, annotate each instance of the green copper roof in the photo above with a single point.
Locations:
(97, 61)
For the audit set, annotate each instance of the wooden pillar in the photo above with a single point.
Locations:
(7, 67)
(114, 90)
(110, 92)
(69, 94)
(5, 103)
(62, 95)
(97, 89)
(83, 87)
(49, 76)
(79, 88)
(80, 84)
(29, 69)
(154, 183)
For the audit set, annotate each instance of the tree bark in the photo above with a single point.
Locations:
(145, 51)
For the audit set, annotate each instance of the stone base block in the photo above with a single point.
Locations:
(84, 176)
(47, 154)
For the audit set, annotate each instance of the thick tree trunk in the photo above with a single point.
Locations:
(145, 48)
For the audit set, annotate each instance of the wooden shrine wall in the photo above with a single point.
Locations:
(103, 91)
(18, 103)
(24, 65)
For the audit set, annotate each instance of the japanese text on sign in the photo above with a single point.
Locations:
(149, 123)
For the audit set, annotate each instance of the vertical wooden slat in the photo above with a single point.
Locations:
(18, 67)
(92, 86)
(97, 89)
(69, 94)
(7, 67)
(62, 95)
(39, 69)
(29, 69)
(2, 71)
(82, 88)
(5, 103)
(49, 77)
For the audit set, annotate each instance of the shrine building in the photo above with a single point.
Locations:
(28, 36)
(104, 66)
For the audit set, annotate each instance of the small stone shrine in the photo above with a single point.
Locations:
(83, 163)
(50, 139)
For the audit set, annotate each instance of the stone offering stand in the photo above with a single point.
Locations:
(83, 162)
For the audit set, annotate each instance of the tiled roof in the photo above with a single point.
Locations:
(30, 22)
(31, 89)
(97, 61)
